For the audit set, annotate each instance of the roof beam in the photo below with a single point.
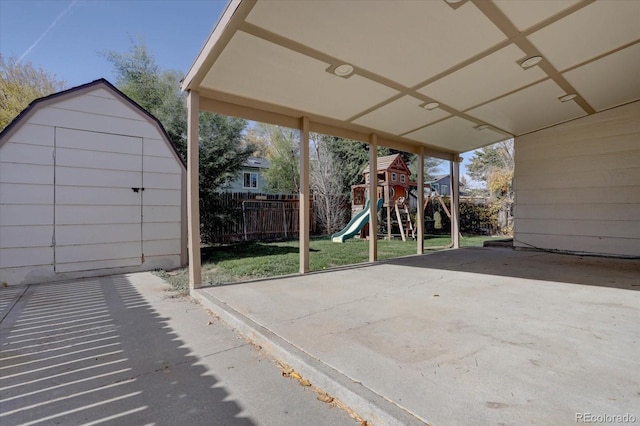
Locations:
(503, 23)
(232, 17)
(222, 103)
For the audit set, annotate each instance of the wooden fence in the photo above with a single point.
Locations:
(242, 216)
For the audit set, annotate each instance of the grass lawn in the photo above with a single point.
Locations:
(245, 261)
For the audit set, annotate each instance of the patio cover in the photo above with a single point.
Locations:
(437, 77)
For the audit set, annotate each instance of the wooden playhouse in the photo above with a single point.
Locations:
(394, 184)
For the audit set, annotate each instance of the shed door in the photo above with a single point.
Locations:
(98, 216)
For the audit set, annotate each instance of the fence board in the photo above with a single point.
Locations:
(240, 216)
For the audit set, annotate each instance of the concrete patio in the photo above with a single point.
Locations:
(121, 350)
(472, 336)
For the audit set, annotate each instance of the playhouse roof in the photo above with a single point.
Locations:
(388, 162)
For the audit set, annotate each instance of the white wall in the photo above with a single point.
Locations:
(29, 199)
(578, 185)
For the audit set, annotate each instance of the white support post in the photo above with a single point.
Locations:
(373, 197)
(455, 202)
(193, 188)
(420, 207)
(304, 195)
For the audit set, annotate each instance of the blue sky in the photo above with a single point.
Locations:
(67, 37)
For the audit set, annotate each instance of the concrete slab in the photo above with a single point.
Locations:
(471, 336)
(122, 350)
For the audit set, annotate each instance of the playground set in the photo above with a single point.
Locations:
(396, 194)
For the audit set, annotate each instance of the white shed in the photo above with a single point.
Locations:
(89, 185)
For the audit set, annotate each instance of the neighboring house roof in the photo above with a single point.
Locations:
(77, 91)
(387, 162)
(438, 178)
(257, 162)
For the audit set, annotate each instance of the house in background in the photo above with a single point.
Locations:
(250, 177)
(89, 185)
(442, 184)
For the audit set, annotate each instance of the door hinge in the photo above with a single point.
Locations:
(137, 189)
(142, 258)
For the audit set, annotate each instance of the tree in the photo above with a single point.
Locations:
(283, 152)
(20, 84)
(431, 166)
(221, 156)
(155, 90)
(494, 165)
(486, 160)
(326, 184)
(352, 157)
(258, 136)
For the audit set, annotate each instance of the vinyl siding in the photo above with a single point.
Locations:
(578, 185)
(26, 200)
(162, 235)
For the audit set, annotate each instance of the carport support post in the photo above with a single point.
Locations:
(373, 197)
(304, 195)
(455, 201)
(193, 187)
(420, 206)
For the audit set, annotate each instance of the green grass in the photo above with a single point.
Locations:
(245, 261)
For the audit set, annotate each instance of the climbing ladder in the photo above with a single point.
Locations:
(401, 206)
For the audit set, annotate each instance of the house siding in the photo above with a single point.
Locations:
(577, 185)
(66, 204)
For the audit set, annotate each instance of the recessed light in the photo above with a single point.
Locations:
(567, 97)
(529, 62)
(453, 1)
(481, 127)
(431, 105)
(343, 70)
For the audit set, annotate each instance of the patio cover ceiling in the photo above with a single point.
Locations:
(275, 61)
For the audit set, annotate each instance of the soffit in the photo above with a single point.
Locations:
(279, 57)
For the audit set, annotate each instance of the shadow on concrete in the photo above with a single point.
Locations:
(534, 265)
(94, 352)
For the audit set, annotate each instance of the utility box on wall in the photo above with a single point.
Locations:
(89, 185)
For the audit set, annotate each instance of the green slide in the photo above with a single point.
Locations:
(356, 224)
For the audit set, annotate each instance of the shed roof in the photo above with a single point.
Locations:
(78, 91)
(361, 67)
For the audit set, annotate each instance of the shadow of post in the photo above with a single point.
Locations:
(95, 352)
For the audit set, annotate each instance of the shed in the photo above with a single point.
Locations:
(89, 185)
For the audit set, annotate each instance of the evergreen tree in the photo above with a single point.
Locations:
(155, 90)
